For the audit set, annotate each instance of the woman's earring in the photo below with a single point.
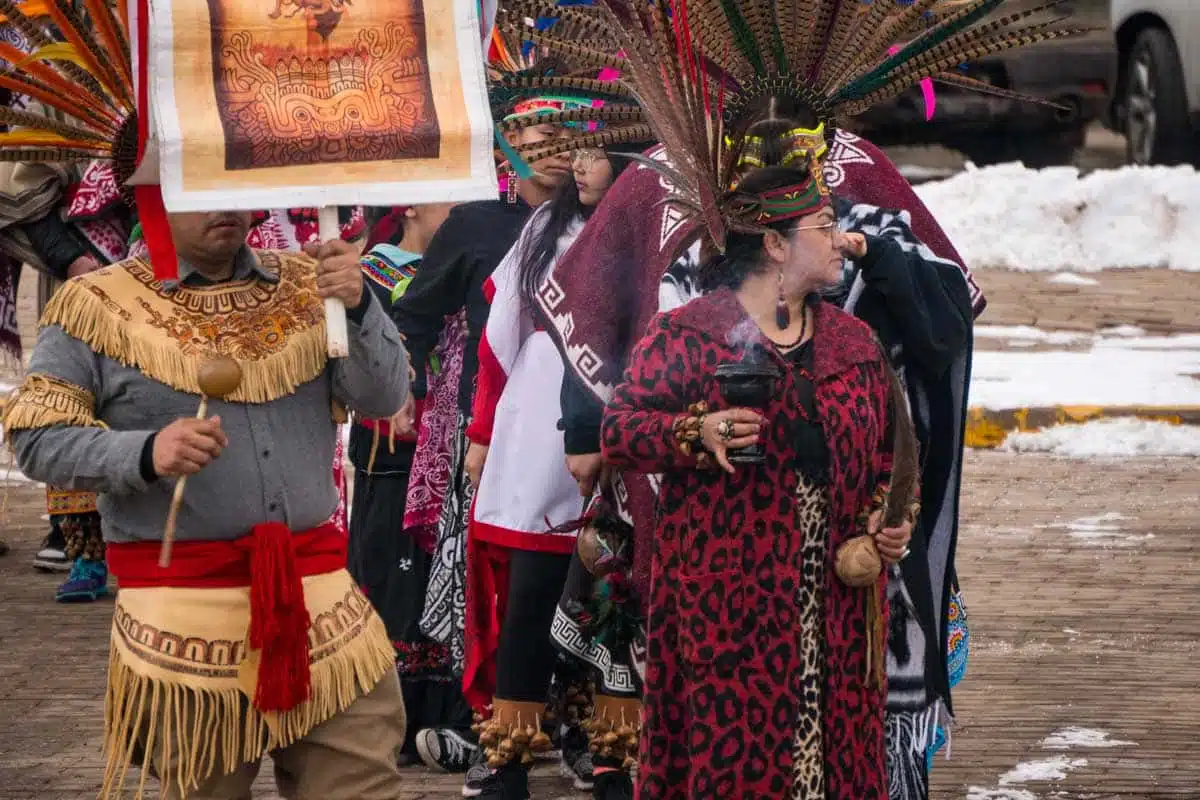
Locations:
(783, 317)
(513, 180)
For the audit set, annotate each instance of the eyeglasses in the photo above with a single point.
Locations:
(585, 158)
(824, 226)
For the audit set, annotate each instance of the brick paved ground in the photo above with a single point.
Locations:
(1081, 580)
(1094, 625)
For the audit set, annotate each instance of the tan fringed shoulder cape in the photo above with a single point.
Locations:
(275, 331)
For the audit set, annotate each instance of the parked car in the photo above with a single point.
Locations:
(1157, 99)
(1077, 73)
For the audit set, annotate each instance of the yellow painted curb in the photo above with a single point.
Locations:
(987, 428)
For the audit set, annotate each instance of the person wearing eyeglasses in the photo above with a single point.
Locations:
(524, 492)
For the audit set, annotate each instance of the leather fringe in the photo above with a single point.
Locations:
(43, 400)
(204, 732)
(86, 316)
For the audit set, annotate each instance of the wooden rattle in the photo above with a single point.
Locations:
(218, 377)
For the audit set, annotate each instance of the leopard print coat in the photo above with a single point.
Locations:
(724, 673)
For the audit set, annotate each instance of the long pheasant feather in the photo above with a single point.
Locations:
(608, 115)
(971, 38)
(108, 31)
(50, 155)
(82, 110)
(1008, 41)
(27, 119)
(934, 37)
(982, 87)
(606, 138)
(98, 65)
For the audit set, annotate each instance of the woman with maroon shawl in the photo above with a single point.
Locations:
(763, 674)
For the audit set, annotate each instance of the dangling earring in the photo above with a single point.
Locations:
(783, 316)
(512, 186)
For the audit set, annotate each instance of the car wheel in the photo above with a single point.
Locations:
(1157, 128)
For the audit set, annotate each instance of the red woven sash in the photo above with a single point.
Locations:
(271, 561)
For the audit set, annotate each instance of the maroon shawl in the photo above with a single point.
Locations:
(722, 632)
(603, 292)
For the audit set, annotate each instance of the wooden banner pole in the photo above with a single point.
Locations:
(337, 335)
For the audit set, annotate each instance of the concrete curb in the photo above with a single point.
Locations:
(987, 428)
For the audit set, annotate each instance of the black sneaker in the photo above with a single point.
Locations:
(445, 749)
(576, 762)
(477, 776)
(613, 785)
(52, 557)
(510, 782)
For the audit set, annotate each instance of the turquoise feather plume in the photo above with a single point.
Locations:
(518, 164)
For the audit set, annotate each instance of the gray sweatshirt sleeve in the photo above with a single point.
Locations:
(71, 448)
(373, 380)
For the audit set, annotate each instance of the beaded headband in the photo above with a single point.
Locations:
(787, 202)
(800, 143)
(539, 106)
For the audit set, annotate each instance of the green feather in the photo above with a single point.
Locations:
(743, 36)
(877, 78)
(779, 50)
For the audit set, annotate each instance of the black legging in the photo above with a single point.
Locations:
(526, 656)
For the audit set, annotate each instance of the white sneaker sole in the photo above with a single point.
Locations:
(51, 566)
(428, 757)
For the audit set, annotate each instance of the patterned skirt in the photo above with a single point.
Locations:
(393, 570)
(444, 619)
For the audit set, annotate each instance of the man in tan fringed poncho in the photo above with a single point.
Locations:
(254, 639)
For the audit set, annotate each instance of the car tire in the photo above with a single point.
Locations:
(1157, 128)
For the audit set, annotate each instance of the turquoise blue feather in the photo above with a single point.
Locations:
(518, 164)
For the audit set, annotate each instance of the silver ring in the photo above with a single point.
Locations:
(725, 429)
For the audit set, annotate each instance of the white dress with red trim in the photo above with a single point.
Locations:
(525, 488)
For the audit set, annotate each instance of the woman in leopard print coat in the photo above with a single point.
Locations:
(762, 676)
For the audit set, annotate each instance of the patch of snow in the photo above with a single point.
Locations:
(1071, 279)
(1042, 770)
(1115, 366)
(14, 475)
(1108, 438)
(1074, 736)
(1123, 330)
(1030, 333)
(915, 173)
(1186, 341)
(1054, 220)
(979, 793)
(1103, 529)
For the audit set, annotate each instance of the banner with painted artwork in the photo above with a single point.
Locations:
(264, 103)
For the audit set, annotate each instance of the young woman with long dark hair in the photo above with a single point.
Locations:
(523, 486)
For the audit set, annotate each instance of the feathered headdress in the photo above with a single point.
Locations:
(703, 71)
(80, 70)
(558, 64)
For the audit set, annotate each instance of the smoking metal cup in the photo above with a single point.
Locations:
(749, 384)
